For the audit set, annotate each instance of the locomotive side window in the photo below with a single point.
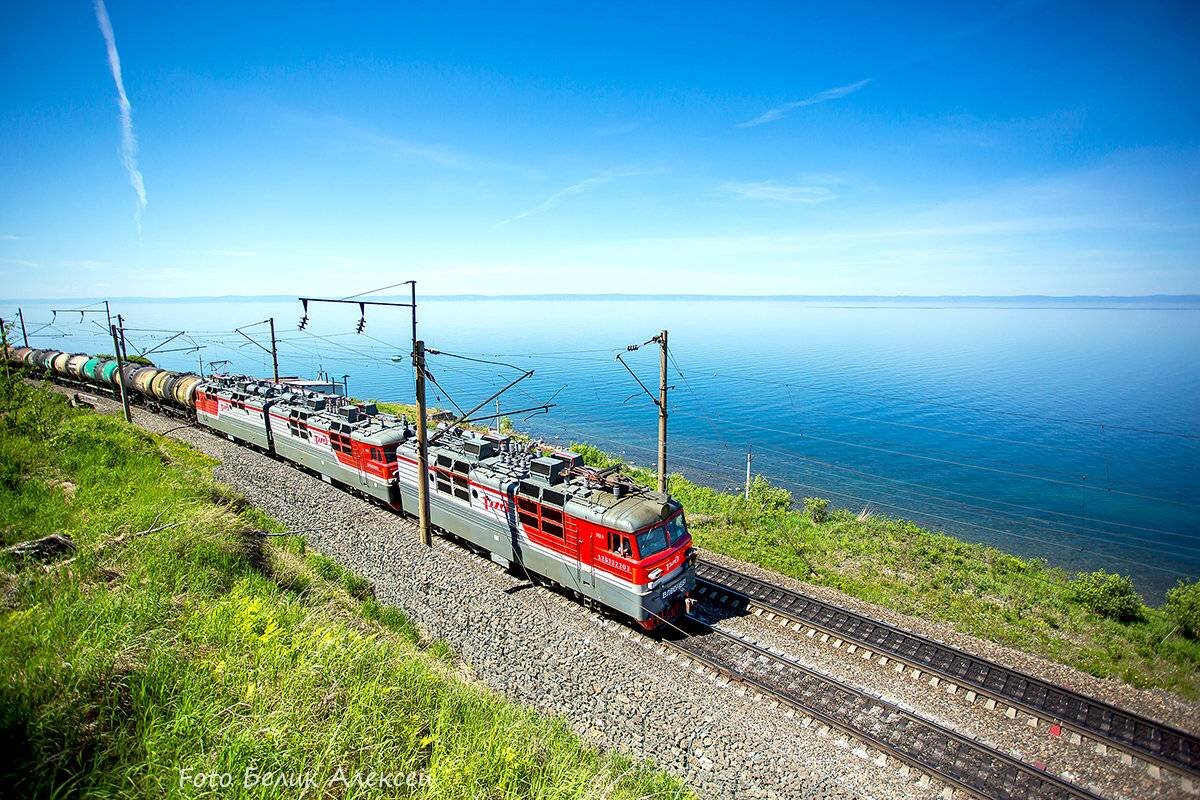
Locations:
(442, 480)
(552, 521)
(619, 544)
(527, 511)
(677, 528)
(460, 483)
(553, 498)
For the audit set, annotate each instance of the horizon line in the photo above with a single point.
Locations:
(1194, 297)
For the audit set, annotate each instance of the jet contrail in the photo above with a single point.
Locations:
(128, 140)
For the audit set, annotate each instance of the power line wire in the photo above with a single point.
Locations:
(963, 406)
(964, 464)
(877, 476)
(919, 514)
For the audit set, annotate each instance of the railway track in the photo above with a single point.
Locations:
(1158, 744)
(956, 760)
(953, 758)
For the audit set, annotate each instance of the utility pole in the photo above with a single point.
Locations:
(749, 462)
(4, 342)
(422, 446)
(120, 370)
(346, 386)
(274, 351)
(418, 357)
(660, 401)
(662, 412)
(121, 328)
(118, 340)
(498, 416)
(24, 335)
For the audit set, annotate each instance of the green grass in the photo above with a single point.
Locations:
(197, 648)
(980, 590)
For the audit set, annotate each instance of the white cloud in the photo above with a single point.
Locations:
(230, 253)
(128, 139)
(8, 237)
(397, 146)
(774, 192)
(558, 197)
(779, 112)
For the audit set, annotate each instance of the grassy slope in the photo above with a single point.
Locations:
(894, 563)
(188, 648)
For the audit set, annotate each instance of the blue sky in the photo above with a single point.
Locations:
(842, 148)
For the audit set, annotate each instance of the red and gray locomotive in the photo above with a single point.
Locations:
(543, 512)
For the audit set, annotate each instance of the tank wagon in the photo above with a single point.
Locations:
(593, 532)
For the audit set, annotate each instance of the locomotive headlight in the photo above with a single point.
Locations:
(655, 573)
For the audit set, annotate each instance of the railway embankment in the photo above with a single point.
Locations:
(1094, 624)
(544, 651)
(616, 690)
(1065, 628)
(175, 652)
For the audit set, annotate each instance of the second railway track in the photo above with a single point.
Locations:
(1158, 744)
(958, 761)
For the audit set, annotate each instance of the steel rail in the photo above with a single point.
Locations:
(879, 637)
(1155, 742)
(962, 762)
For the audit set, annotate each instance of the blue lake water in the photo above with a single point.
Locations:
(1066, 431)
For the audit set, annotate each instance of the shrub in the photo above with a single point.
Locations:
(768, 497)
(133, 359)
(817, 509)
(594, 456)
(1183, 607)
(1108, 594)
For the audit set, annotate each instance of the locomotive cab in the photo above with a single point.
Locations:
(665, 553)
(645, 542)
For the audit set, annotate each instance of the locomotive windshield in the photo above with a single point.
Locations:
(661, 537)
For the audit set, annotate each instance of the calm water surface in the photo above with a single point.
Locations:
(1058, 431)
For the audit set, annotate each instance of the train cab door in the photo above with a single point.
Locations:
(362, 455)
(583, 554)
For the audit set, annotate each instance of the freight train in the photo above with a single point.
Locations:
(593, 532)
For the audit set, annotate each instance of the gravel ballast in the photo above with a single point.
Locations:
(546, 651)
(614, 688)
